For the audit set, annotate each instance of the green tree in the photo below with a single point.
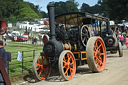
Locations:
(13, 10)
(64, 7)
(28, 14)
(91, 9)
(116, 10)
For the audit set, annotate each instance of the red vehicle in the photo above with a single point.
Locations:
(19, 38)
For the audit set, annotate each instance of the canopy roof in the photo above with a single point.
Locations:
(78, 18)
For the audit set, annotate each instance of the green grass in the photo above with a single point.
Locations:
(15, 47)
(15, 67)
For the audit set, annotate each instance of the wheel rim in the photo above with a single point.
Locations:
(67, 65)
(42, 67)
(99, 54)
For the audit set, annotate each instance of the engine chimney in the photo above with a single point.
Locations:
(52, 48)
(51, 15)
(108, 26)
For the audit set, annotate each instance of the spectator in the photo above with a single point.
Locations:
(126, 29)
(122, 39)
(97, 32)
(35, 40)
(118, 34)
(5, 37)
(126, 41)
(92, 32)
(3, 56)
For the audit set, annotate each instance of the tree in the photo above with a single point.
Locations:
(64, 7)
(28, 14)
(91, 9)
(18, 10)
(85, 8)
(116, 10)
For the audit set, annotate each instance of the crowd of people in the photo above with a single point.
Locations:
(122, 35)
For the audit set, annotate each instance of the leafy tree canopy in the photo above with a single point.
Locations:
(116, 10)
(91, 9)
(64, 7)
(19, 10)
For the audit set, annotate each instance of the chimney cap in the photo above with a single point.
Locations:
(50, 4)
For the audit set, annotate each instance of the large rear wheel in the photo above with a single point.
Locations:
(67, 65)
(96, 54)
(41, 66)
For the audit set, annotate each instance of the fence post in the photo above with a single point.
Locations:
(33, 53)
(22, 61)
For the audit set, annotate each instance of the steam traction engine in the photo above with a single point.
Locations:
(70, 45)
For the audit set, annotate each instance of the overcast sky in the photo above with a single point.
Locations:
(43, 3)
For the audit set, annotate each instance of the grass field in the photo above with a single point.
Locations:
(28, 52)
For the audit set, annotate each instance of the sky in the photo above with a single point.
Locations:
(43, 3)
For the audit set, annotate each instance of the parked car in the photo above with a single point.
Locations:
(19, 38)
(15, 33)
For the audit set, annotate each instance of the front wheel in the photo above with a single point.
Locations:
(67, 65)
(96, 54)
(40, 66)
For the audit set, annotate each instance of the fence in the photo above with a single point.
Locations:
(29, 41)
(19, 67)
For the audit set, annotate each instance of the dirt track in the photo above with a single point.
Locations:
(115, 73)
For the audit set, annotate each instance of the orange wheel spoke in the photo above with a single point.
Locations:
(38, 68)
(38, 64)
(96, 43)
(100, 62)
(67, 74)
(64, 62)
(94, 52)
(68, 55)
(72, 62)
(40, 73)
(38, 61)
(64, 66)
(102, 53)
(95, 56)
(94, 47)
(98, 66)
(96, 60)
(66, 71)
(64, 59)
(99, 46)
